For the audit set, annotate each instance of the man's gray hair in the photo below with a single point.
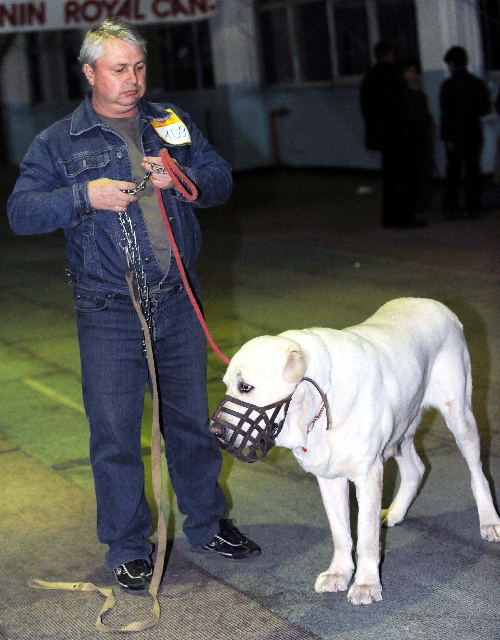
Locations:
(93, 44)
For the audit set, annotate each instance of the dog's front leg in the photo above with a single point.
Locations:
(367, 587)
(335, 494)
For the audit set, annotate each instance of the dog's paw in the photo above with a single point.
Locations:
(491, 532)
(365, 593)
(389, 518)
(384, 518)
(332, 582)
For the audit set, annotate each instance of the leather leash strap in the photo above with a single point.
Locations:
(188, 189)
(107, 592)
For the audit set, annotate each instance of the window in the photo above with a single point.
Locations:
(490, 28)
(318, 41)
(71, 42)
(54, 71)
(276, 46)
(351, 38)
(33, 55)
(313, 41)
(397, 21)
(179, 57)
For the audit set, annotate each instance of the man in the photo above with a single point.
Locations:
(384, 108)
(463, 98)
(81, 175)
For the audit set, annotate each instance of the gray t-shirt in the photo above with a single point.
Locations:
(128, 129)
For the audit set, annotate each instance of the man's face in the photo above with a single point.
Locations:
(118, 79)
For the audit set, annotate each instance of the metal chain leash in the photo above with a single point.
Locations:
(132, 252)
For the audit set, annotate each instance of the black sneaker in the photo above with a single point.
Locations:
(231, 543)
(134, 575)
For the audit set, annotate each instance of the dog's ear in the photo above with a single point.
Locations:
(295, 367)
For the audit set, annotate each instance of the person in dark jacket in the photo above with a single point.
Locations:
(463, 98)
(93, 174)
(421, 136)
(384, 108)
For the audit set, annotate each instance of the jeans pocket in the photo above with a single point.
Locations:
(85, 303)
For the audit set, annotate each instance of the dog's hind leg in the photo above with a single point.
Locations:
(450, 392)
(462, 424)
(335, 494)
(411, 472)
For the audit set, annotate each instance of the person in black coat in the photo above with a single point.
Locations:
(421, 133)
(384, 107)
(463, 98)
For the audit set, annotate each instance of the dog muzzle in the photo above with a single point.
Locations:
(246, 431)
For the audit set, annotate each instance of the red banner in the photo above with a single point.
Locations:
(80, 14)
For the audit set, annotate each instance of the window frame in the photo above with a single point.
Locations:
(336, 79)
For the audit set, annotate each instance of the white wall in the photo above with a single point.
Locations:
(234, 43)
(447, 23)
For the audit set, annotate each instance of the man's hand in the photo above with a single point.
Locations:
(107, 194)
(158, 180)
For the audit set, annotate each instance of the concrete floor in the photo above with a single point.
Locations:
(291, 250)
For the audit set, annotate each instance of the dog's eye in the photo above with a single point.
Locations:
(243, 387)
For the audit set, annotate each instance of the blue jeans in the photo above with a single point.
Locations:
(114, 378)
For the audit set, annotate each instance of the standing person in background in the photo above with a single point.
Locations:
(496, 175)
(384, 109)
(422, 133)
(86, 175)
(463, 99)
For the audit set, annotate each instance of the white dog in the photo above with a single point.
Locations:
(377, 378)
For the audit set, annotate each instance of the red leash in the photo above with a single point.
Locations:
(188, 189)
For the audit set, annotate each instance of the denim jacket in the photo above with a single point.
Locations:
(51, 193)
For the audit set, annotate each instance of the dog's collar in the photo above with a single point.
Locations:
(310, 426)
(324, 406)
(316, 418)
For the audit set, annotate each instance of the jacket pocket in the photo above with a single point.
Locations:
(95, 164)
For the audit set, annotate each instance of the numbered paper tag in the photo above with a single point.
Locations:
(172, 129)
